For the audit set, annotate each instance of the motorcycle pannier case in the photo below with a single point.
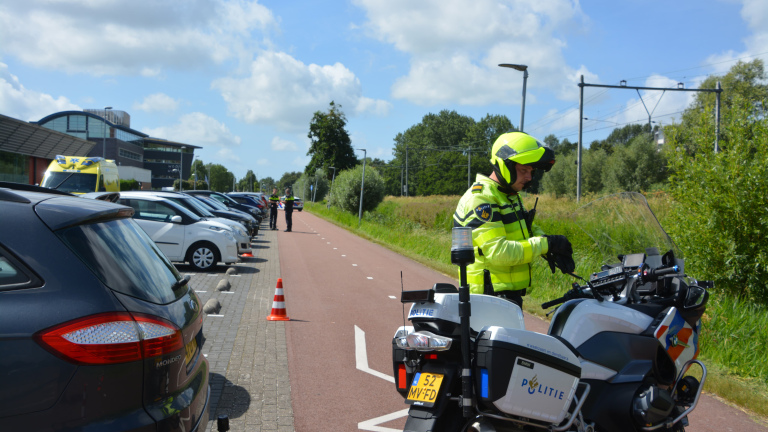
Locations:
(525, 374)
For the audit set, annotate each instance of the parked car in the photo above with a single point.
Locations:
(194, 205)
(230, 203)
(260, 197)
(98, 331)
(249, 200)
(218, 208)
(297, 203)
(182, 235)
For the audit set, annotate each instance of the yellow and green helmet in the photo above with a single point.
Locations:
(519, 148)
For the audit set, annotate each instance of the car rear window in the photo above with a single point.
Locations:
(126, 260)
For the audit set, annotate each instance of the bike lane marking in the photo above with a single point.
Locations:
(361, 362)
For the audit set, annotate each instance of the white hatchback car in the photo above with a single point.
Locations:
(182, 235)
(195, 206)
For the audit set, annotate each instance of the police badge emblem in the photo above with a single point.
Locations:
(484, 212)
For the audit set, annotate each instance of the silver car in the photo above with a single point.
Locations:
(194, 206)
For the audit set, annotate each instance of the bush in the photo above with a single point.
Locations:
(721, 220)
(129, 185)
(346, 189)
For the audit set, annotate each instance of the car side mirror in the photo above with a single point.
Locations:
(176, 219)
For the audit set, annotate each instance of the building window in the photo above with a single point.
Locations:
(14, 167)
(130, 155)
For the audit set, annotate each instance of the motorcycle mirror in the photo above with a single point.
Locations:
(695, 297)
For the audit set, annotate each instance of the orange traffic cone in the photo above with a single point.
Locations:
(278, 305)
(247, 254)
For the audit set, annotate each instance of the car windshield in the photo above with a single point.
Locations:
(195, 206)
(223, 198)
(123, 256)
(182, 209)
(213, 203)
(70, 182)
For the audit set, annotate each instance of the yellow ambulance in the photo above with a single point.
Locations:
(77, 174)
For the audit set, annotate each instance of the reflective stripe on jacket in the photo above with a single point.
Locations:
(500, 237)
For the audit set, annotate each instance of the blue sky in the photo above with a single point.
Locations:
(243, 78)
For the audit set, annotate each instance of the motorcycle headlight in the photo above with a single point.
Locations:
(426, 341)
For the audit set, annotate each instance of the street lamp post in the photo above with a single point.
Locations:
(332, 179)
(524, 70)
(104, 138)
(181, 167)
(195, 185)
(362, 188)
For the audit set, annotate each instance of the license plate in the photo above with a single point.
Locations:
(424, 389)
(191, 348)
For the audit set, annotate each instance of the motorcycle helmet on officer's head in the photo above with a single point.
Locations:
(518, 148)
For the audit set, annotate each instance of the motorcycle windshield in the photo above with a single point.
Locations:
(623, 224)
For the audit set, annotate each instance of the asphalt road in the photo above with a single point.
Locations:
(342, 295)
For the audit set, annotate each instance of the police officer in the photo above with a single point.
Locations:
(505, 242)
(288, 207)
(274, 200)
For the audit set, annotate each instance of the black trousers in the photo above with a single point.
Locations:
(273, 217)
(288, 219)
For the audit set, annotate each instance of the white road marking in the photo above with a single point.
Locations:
(343, 255)
(361, 362)
(392, 297)
(354, 265)
(214, 315)
(373, 424)
(361, 357)
(369, 277)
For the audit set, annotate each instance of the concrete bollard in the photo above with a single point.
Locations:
(232, 271)
(223, 285)
(212, 306)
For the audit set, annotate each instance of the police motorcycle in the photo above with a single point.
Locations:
(616, 356)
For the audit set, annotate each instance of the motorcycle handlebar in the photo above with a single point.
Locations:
(653, 275)
(549, 304)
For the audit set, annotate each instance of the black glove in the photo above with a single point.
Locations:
(559, 245)
(560, 254)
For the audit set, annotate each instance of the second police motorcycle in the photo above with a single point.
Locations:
(616, 356)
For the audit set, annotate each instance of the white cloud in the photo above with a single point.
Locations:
(158, 102)
(19, 102)
(279, 144)
(755, 14)
(140, 37)
(456, 46)
(204, 131)
(284, 92)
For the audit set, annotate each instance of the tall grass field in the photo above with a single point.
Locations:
(734, 338)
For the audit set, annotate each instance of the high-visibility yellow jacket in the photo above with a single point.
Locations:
(500, 237)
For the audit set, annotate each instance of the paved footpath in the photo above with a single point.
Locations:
(247, 353)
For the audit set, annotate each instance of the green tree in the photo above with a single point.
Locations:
(346, 189)
(221, 179)
(330, 143)
(637, 167)
(721, 216)
(743, 82)
(249, 183)
(129, 185)
(561, 179)
(287, 180)
(435, 159)
(200, 170)
(266, 184)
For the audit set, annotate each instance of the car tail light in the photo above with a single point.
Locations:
(111, 338)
